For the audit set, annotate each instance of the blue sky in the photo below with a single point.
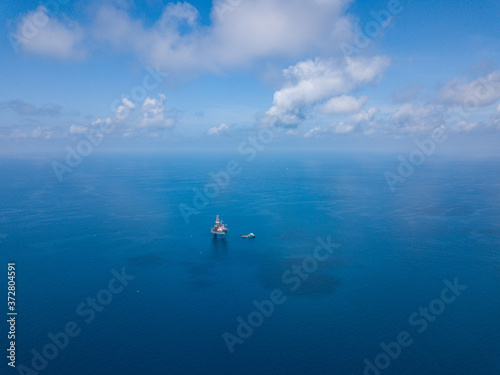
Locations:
(328, 73)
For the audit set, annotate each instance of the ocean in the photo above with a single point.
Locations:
(345, 276)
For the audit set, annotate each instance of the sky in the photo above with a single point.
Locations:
(317, 74)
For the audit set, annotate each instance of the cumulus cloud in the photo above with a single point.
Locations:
(122, 116)
(240, 33)
(40, 34)
(479, 92)
(311, 82)
(219, 130)
(343, 128)
(413, 118)
(123, 111)
(417, 118)
(456, 102)
(366, 69)
(364, 115)
(153, 114)
(343, 104)
(408, 110)
(147, 119)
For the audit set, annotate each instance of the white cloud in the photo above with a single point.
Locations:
(153, 114)
(316, 131)
(343, 104)
(42, 132)
(407, 110)
(415, 118)
(369, 132)
(37, 133)
(335, 128)
(123, 111)
(343, 128)
(366, 69)
(494, 123)
(77, 129)
(149, 121)
(410, 118)
(99, 121)
(479, 92)
(38, 33)
(465, 126)
(311, 82)
(219, 130)
(364, 115)
(18, 133)
(248, 31)
(456, 101)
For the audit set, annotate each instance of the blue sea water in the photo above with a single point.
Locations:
(394, 251)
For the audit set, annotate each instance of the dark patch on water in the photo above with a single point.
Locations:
(147, 260)
(200, 269)
(494, 232)
(200, 284)
(318, 282)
